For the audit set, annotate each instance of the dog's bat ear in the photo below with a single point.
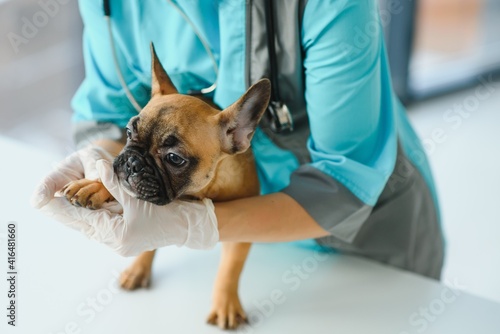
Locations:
(160, 81)
(239, 121)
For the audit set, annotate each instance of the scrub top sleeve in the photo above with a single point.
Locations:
(101, 108)
(353, 142)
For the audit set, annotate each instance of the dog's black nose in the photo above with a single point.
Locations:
(133, 165)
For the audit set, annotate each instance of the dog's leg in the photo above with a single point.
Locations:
(227, 312)
(92, 195)
(138, 274)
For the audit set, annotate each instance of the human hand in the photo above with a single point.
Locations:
(79, 165)
(142, 226)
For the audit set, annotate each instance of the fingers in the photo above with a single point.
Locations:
(41, 195)
(110, 180)
(61, 210)
(81, 219)
(46, 189)
(69, 169)
(89, 156)
(113, 207)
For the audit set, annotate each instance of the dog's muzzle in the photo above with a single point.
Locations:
(139, 174)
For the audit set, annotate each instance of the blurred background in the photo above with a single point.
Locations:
(445, 56)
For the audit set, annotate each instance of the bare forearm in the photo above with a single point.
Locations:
(270, 218)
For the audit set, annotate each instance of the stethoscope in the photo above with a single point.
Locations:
(279, 116)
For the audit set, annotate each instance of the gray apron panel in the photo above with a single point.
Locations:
(403, 229)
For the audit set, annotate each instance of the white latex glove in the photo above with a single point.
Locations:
(142, 226)
(79, 165)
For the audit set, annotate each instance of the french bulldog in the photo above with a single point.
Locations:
(183, 147)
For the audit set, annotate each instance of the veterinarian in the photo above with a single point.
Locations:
(337, 158)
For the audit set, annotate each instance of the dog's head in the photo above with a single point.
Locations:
(176, 142)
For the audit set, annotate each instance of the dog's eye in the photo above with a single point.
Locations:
(129, 133)
(175, 160)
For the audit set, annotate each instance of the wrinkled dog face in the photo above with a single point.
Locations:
(172, 149)
(176, 142)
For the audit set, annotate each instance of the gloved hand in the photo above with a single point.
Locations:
(142, 226)
(79, 165)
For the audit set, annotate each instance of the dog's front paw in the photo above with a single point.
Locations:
(138, 275)
(226, 312)
(87, 193)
